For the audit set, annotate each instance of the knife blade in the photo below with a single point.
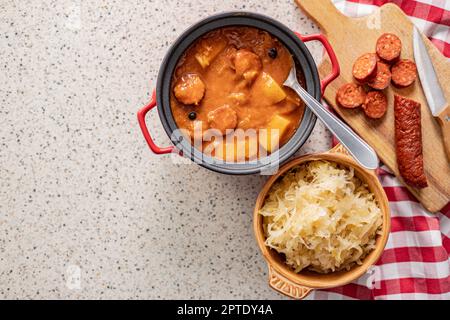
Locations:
(432, 88)
(427, 74)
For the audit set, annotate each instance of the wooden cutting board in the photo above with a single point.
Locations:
(352, 37)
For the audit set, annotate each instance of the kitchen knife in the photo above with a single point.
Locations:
(431, 87)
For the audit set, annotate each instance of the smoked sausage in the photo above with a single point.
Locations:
(365, 67)
(351, 95)
(375, 105)
(190, 89)
(389, 47)
(408, 141)
(382, 78)
(223, 118)
(404, 73)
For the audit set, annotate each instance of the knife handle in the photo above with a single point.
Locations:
(444, 121)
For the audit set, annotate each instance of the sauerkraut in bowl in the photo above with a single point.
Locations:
(321, 217)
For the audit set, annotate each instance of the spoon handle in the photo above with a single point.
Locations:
(358, 148)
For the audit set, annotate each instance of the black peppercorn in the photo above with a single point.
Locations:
(192, 115)
(272, 53)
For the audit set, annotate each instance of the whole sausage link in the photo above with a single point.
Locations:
(408, 138)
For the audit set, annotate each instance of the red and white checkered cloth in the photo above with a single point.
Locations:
(415, 263)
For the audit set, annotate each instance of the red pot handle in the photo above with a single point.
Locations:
(141, 118)
(335, 69)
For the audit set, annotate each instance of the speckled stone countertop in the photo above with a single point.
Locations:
(86, 210)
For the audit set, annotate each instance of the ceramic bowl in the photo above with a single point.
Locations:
(298, 285)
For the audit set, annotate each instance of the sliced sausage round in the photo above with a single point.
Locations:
(247, 64)
(382, 78)
(189, 89)
(375, 105)
(365, 67)
(389, 47)
(404, 73)
(223, 118)
(351, 95)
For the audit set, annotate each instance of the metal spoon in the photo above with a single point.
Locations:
(358, 148)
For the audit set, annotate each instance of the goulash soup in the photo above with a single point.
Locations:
(231, 79)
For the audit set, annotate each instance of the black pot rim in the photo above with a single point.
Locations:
(299, 52)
